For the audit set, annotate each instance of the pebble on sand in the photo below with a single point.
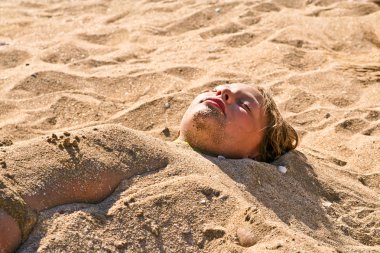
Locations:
(282, 169)
(246, 237)
(220, 158)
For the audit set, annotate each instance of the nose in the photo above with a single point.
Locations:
(226, 94)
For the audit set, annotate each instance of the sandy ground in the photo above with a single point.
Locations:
(71, 65)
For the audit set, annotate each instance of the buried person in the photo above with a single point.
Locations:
(234, 120)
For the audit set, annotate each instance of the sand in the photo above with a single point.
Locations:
(109, 65)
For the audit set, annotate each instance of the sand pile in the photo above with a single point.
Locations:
(98, 68)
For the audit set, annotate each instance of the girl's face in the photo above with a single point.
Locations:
(228, 120)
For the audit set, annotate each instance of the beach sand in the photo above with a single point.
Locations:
(98, 67)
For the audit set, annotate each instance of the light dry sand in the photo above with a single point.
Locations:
(68, 65)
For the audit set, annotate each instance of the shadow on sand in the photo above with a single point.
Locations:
(296, 195)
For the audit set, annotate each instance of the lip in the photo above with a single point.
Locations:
(217, 102)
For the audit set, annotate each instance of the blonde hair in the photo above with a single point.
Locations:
(279, 137)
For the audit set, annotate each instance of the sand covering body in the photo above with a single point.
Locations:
(14, 205)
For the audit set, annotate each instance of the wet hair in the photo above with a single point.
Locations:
(279, 137)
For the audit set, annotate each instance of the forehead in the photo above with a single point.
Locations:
(245, 90)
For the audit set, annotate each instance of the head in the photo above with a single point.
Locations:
(237, 121)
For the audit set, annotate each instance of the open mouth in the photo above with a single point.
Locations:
(218, 103)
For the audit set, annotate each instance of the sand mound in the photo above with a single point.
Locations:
(113, 65)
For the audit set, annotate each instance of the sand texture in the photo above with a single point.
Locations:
(93, 70)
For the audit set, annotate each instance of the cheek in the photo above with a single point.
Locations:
(241, 125)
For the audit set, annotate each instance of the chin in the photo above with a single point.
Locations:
(205, 140)
(203, 127)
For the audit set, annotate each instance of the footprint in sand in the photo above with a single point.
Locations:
(297, 59)
(300, 102)
(312, 120)
(298, 4)
(185, 73)
(225, 29)
(366, 74)
(362, 225)
(250, 17)
(134, 54)
(343, 100)
(266, 7)
(373, 116)
(46, 82)
(147, 84)
(299, 38)
(242, 39)
(112, 38)
(344, 9)
(66, 53)
(12, 58)
(351, 126)
(70, 110)
(199, 19)
(372, 131)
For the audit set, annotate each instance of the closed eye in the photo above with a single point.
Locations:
(245, 106)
